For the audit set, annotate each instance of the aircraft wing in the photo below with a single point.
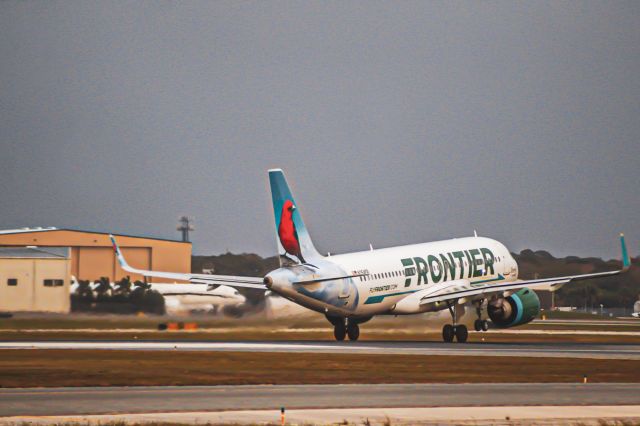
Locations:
(444, 294)
(228, 280)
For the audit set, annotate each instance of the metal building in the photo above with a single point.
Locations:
(92, 256)
(34, 279)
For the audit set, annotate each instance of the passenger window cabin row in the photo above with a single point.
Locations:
(382, 275)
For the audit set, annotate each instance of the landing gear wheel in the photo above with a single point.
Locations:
(339, 332)
(461, 333)
(485, 325)
(477, 325)
(353, 331)
(447, 333)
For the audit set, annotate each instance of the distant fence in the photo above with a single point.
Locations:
(607, 312)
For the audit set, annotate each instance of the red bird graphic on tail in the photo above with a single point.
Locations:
(287, 231)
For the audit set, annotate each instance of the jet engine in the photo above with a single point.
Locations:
(519, 308)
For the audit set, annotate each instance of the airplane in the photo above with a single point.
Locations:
(186, 298)
(350, 289)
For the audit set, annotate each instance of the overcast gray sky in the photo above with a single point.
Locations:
(395, 122)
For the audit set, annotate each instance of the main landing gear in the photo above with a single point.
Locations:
(457, 331)
(480, 324)
(344, 328)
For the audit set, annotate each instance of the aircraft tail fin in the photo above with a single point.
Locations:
(294, 242)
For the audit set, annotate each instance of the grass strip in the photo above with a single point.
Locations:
(48, 368)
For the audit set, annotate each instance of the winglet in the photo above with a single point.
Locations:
(626, 262)
(119, 256)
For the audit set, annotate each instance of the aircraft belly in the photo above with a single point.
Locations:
(338, 297)
(320, 306)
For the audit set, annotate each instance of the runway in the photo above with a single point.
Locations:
(552, 349)
(408, 416)
(113, 400)
(629, 322)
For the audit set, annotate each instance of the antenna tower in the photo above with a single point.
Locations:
(185, 224)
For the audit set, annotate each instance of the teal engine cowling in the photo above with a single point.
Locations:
(519, 308)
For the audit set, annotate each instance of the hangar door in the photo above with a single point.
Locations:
(138, 257)
(96, 262)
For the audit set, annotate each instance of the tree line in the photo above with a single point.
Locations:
(121, 297)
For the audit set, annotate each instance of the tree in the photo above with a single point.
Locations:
(146, 300)
(103, 289)
(84, 291)
(122, 289)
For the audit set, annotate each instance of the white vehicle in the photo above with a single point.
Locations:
(350, 289)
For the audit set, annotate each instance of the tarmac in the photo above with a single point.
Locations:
(397, 404)
(518, 415)
(164, 399)
(551, 349)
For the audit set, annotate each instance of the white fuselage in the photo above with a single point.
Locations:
(387, 276)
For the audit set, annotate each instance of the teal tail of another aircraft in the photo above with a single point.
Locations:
(294, 242)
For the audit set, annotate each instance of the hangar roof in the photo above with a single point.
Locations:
(52, 228)
(35, 252)
(23, 230)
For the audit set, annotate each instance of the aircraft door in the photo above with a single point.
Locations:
(344, 289)
(510, 268)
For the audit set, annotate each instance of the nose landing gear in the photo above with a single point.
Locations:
(353, 330)
(345, 328)
(339, 331)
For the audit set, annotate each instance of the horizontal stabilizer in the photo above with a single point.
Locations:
(323, 279)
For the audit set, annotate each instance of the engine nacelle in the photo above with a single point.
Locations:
(519, 308)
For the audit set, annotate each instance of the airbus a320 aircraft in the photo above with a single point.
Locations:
(350, 289)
